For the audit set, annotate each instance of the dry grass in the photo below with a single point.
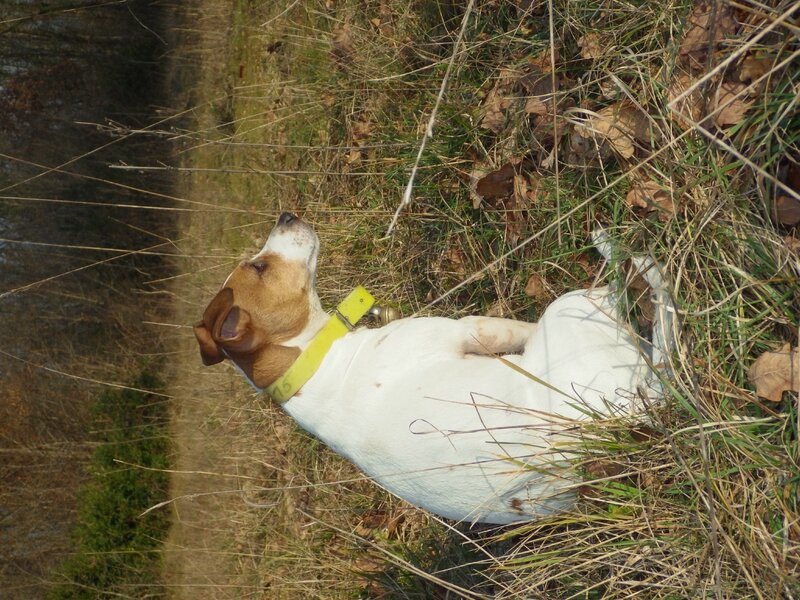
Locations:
(320, 108)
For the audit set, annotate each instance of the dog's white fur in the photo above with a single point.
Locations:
(425, 407)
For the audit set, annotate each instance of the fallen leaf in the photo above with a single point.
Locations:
(730, 104)
(530, 8)
(360, 130)
(543, 61)
(787, 210)
(520, 188)
(754, 67)
(497, 309)
(792, 243)
(591, 46)
(535, 288)
(500, 182)
(369, 565)
(776, 372)
(644, 433)
(539, 88)
(600, 468)
(640, 296)
(354, 156)
(537, 82)
(513, 211)
(609, 89)
(342, 47)
(493, 111)
(534, 106)
(689, 107)
(620, 124)
(650, 196)
(697, 42)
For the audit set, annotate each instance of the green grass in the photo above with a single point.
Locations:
(117, 548)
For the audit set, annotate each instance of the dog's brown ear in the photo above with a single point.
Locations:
(209, 351)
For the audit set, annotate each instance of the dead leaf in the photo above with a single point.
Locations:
(531, 190)
(792, 243)
(493, 110)
(787, 210)
(620, 124)
(640, 296)
(342, 47)
(530, 8)
(543, 61)
(609, 89)
(367, 564)
(691, 106)
(360, 130)
(650, 196)
(534, 106)
(539, 88)
(354, 156)
(696, 42)
(776, 372)
(500, 182)
(513, 213)
(644, 433)
(753, 67)
(591, 46)
(520, 188)
(535, 288)
(497, 309)
(600, 468)
(730, 104)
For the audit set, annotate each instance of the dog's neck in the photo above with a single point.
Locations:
(317, 317)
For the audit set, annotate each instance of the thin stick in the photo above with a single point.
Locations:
(406, 200)
(555, 114)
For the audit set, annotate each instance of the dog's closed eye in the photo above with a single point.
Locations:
(259, 265)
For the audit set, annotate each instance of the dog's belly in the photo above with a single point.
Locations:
(470, 437)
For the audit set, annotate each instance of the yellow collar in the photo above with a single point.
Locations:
(346, 315)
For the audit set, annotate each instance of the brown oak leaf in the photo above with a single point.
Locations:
(776, 372)
(650, 196)
(787, 210)
(689, 108)
(730, 104)
(697, 34)
(494, 107)
(591, 47)
(621, 124)
(536, 288)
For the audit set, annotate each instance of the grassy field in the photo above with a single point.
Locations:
(675, 124)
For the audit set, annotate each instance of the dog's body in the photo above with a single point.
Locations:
(425, 406)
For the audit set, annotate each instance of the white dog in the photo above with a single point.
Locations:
(461, 417)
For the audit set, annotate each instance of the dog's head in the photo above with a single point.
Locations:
(264, 302)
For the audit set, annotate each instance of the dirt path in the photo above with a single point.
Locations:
(208, 545)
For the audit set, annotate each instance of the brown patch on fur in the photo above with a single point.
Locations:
(264, 303)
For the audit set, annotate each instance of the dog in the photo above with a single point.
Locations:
(466, 418)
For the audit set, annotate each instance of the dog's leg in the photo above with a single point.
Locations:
(664, 321)
(664, 334)
(492, 335)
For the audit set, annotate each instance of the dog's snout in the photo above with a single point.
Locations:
(286, 218)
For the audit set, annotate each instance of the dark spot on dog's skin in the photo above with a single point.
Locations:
(516, 504)
(377, 385)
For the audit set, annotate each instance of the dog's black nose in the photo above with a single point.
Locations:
(286, 218)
